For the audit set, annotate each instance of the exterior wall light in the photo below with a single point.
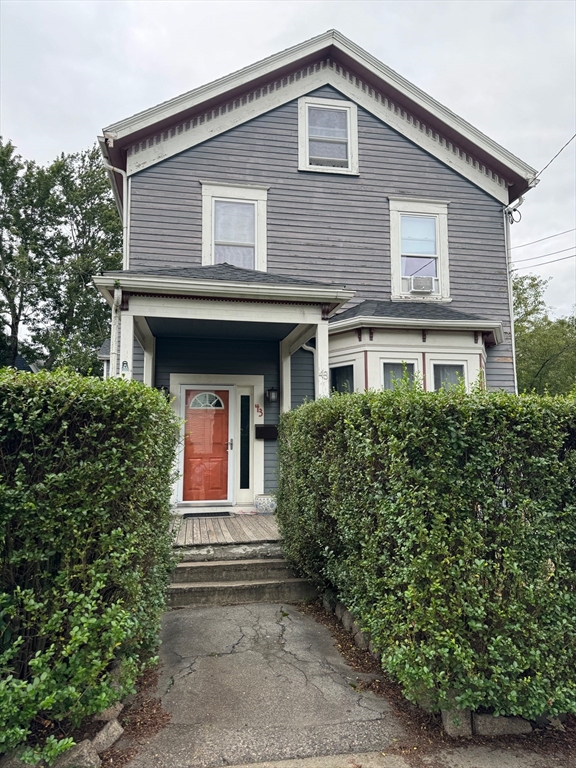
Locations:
(272, 395)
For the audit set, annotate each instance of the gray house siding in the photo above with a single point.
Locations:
(220, 356)
(329, 227)
(302, 377)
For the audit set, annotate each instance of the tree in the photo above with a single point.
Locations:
(27, 227)
(545, 348)
(59, 226)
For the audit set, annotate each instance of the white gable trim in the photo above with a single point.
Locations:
(193, 132)
(172, 108)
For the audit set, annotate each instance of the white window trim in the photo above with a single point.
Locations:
(471, 368)
(398, 357)
(212, 191)
(303, 144)
(423, 207)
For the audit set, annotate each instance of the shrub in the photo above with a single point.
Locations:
(85, 549)
(446, 522)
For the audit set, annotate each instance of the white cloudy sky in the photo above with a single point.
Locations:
(69, 67)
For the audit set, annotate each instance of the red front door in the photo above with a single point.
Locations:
(206, 445)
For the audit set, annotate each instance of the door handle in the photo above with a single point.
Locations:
(230, 444)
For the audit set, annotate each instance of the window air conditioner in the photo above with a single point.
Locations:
(419, 284)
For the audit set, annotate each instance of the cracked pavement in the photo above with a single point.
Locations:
(259, 682)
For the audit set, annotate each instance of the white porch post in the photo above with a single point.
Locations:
(285, 377)
(148, 343)
(126, 345)
(322, 360)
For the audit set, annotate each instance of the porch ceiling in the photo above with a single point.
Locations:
(163, 327)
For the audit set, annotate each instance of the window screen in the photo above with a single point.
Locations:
(328, 137)
(448, 375)
(234, 233)
(394, 372)
(342, 378)
(419, 249)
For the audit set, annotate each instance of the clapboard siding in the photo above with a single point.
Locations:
(302, 377)
(328, 227)
(219, 356)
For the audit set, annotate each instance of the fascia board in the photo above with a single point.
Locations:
(398, 322)
(216, 88)
(187, 287)
(116, 188)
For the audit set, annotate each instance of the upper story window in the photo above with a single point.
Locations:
(327, 135)
(419, 249)
(234, 225)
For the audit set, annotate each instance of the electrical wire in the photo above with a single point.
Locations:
(554, 158)
(544, 255)
(542, 239)
(532, 266)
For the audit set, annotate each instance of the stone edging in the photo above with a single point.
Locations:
(85, 754)
(457, 723)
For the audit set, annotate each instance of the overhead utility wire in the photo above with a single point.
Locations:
(554, 158)
(544, 255)
(531, 266)
(542, 239)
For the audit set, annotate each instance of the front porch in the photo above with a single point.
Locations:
(236, 529)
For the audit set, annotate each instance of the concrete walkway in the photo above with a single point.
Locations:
(263, 686)
(250, 683)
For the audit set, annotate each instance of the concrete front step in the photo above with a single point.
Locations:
(237, 592)
(237, 551)
(261, 569)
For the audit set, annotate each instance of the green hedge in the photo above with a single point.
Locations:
(446, 522)
(85, 550)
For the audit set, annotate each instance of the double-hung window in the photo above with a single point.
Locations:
(419, 249)
(327, 135)
(234, 225)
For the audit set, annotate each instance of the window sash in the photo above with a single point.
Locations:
(316, 137)
(448, 375)
(342, 378)
(394, 373)
(227, 249)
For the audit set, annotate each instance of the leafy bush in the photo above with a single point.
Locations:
(446, 522)
(85, 548)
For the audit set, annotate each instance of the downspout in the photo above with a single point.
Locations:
(508, 218)
(313, 350)
(125, 211)
(114, 332)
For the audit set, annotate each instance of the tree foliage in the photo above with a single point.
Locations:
(545, 348)
(59, 226)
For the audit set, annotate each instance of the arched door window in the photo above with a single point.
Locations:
(206, 400)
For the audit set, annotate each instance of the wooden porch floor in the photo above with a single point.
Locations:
(237, 529)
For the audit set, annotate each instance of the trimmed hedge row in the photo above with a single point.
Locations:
(85, 549)
(446, 522)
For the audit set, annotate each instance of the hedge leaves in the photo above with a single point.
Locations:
(446, 522)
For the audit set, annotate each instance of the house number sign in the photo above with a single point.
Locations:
(259, 410)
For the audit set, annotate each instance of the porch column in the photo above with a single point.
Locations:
(148, 343)
(126, 345)
(285, 376)
(322, 360)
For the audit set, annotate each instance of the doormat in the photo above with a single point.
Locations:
(205, 514)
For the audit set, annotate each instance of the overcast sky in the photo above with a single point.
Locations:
(70, 67)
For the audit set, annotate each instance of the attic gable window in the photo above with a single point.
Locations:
(234, 224)
(327, 136)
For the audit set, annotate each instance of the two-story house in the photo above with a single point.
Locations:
(313, 221)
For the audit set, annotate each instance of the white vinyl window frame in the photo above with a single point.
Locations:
(303, 138)
(437, 209)
(398, 358)
(213, 191)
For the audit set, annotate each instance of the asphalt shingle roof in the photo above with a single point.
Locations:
(224, 272)
(404, 310)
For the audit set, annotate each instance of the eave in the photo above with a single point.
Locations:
(333, 298)
(433, 116)
(482, 326)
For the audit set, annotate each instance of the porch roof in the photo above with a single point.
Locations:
(222, 281)
(413, 314)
